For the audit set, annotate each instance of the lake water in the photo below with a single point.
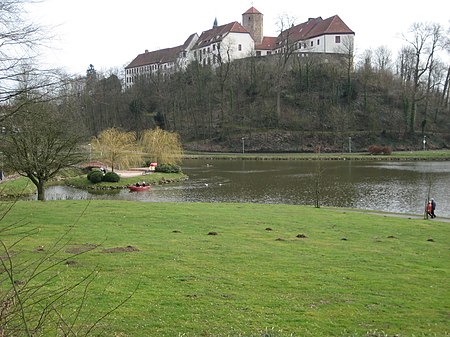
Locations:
(374, 185)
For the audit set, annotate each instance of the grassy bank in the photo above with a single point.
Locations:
(21, 186)
(406, 155)
(153, 179)
(17, 187)
(280, 269)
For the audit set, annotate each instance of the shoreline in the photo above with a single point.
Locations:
(428, 155)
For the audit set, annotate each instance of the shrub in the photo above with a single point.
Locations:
(95, 177)
(168, 168)
(111, 177)
(376, 149)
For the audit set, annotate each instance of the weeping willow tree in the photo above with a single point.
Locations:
(162, 146)
(117, 148)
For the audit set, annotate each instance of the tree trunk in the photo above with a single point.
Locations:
(41, 191)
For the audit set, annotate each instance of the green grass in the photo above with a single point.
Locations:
(353, 275)
(17, 187)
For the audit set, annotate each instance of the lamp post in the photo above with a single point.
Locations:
(90, 152)
(243, 145)
(350, 144)
(424, 142)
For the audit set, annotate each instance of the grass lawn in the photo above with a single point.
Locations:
(281, 270)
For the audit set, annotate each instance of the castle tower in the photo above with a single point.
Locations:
(252, 20)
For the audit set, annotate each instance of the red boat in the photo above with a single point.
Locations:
(138, 188)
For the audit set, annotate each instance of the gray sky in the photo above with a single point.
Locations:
(111, 33)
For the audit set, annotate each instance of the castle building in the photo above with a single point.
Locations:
(233, 41)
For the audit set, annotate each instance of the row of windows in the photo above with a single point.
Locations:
(206, 50)
(149, 68)
(131, 79)
(199, 55)
(298, 45)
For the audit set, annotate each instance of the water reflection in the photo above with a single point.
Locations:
(385, 186)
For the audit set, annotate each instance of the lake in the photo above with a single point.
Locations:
(373, 185)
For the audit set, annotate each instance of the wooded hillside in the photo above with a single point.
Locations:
(287, 102)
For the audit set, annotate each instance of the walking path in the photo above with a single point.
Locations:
(398, 215)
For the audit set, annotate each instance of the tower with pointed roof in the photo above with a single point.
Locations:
(252, 20)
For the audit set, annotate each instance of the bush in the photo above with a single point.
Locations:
(168, 168)
(95, 177)
(376, 149)
(89, 175)
(111, 177)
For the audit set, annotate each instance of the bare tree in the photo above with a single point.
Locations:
(383, 59)
(20, 42)
(38, 144)
(285, 51)
(424, 41)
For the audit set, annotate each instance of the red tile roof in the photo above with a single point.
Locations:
(252, 10)
(155, 57)
(315, 27)
(268, 43)
(160, 56)
(217, 34)
(332, 25)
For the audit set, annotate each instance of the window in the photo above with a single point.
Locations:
(269, 53)
(239, 47)
(258, 53)
(312, 43)
(214, 47)
(337, 39)
(318, 42)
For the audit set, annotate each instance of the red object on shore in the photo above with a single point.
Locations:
(138, 188)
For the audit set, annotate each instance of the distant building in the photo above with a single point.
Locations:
(163, 61)
(329, 36)
(223, 44)
(233, 41)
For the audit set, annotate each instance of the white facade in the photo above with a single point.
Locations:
(232, 47)
(329, 44)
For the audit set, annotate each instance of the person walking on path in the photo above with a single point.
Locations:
(433, 207)
(429, 209)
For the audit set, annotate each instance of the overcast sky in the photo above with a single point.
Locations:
(111, 33)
